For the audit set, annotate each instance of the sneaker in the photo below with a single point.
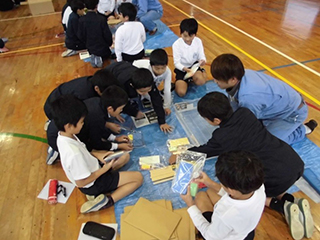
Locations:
(311, 125)
(96, 61)
(46, 125)
(68, 53)
(60, 35)
(291, 213)
(90, 197)
(52, 156)
(4, 40)
(307, 219)
(4, 49)
(95, 204)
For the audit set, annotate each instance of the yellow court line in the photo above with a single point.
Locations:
(30, 49)
(248, 55)
(174, 25)
(26, 17)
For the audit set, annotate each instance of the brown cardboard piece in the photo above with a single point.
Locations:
(153, 219)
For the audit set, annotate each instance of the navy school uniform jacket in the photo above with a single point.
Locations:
(123, 71)
(243, 131)
(94, 31)
(93, 130)
(81, 88)
(72, 40)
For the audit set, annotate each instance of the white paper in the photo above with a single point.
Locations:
(83, 236)
(84, 55)
(61, 199)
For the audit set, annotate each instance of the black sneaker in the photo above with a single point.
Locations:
(312, 124)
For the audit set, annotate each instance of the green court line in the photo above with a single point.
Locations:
(21, 135)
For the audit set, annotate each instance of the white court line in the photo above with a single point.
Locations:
(256, 39)
(18, 18)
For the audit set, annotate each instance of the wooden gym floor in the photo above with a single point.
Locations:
(280, 36)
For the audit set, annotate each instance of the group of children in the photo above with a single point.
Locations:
(86, 27)
(257, 121)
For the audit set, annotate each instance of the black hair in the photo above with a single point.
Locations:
(128, 10)
(158, 57)
(68, 109)
(77, 5)
(141, 78)
(240, 170)
(91, 4)
(103, 79)
(215, 105)
(227, 66)
(189, 25)
(114, 97)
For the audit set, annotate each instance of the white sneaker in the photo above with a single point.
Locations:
(46, 125)
(94, 205)
(90, 197)
(68, 53)
(306, 217)
(291, 213)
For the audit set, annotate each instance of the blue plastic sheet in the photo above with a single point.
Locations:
(155, 144)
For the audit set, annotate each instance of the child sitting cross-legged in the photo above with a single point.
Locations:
(88, 171)
(232, 209)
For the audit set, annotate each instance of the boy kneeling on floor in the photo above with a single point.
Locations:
(88, 171)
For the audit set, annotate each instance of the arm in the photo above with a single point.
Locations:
(202, 56)
(177, 56)
(81, 33)
(142, 7)
(156, 100)
(107, 35)
(93, 176)
(167, 88)
(212, 148)
(118, 44)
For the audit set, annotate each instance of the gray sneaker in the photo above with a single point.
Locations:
(291, 213)
(95, 204)
(4, 40)
(68, 53)
(307, 219)
(52, 156)
(96, 61)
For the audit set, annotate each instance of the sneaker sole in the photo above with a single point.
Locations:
(90, 197)
(94, 205)
(308, 219)
(296, 228)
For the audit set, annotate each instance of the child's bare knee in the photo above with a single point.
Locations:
(139, 178)
(200, 197)
(180, 92)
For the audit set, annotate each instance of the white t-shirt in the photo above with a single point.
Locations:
(77, 162)
(129, 39)
(165, 77)
(66, 15)
(231, 219)
(185, 55)
(106, 5)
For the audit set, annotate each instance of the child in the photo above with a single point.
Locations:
(83, 88)
(187, 51)
(88, 171)
(95, 133)
(280, 108)
(138, 82)
(233, 209)
(73, 43)
(130, 36)
(94, 31)
(148, 11)
(158, 66)
(282, 165)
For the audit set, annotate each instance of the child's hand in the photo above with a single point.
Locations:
(187, 198)
(202, 62)
(116, 128)
(120, 118)
(123, 138)
(187, 69)
(108, 165)
(101, 154)
(172, 159)
(125, 146)
(167, 111)
(139, 115)
(166, 128)
(203, 178)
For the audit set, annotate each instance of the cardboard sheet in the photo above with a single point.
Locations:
(153, 219)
